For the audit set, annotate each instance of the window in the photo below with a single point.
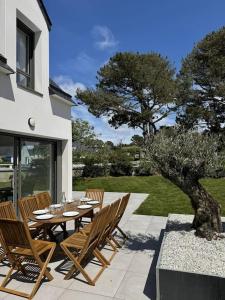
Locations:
(24, 56)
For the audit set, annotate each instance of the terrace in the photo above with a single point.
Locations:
(131, 274)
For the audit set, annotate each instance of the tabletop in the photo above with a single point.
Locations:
(58, 214)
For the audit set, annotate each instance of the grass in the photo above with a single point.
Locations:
(164, 197)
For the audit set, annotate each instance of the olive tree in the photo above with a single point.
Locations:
(184, 158)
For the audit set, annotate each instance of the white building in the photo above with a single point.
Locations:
(35, 126)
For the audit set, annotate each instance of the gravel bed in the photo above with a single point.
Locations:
(183, 251)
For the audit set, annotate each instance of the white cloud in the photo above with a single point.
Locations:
(68, 85)
(104, 38)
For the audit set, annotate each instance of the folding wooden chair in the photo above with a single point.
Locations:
(43, 199)
(118, 217)
(19, 245)
(85, 246)
(95, 194)
(108, 228)
(26, 206)
(7, 211)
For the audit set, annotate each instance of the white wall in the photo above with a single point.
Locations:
(52, 116)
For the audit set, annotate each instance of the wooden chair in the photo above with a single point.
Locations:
(43, 199)
(7, 211)
(95, 194)
(19, 245)
(118, 218)
(108, 227)
(26, 206)
(86, 246)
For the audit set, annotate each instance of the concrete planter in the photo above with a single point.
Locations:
(182, 285)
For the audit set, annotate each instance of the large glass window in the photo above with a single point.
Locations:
(24, 56)
(36, 167)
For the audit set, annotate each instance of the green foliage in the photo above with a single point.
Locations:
(201, 84)
(134, 89)
(120, 163)
(145, 168)
(82, 132)
(93, 169)
(179, 154)
(137, 140)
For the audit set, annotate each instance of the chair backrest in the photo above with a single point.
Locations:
(15, 234)
(95, 194)
(98, 224)
(110, 220)
(7, 210)
(122, 208)
(44, 200)
(27, 205)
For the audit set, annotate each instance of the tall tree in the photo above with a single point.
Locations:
(184, 157)
(83, 134)
(134, 89)
(201, 84)
(137, 140)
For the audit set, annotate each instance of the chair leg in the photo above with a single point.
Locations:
(122, 232)
(102, 257)
(115, 242)
(77, 265)
(44, 271)
(4, 282)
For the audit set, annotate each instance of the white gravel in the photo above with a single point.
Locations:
(183, 251)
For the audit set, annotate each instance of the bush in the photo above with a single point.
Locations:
(92, 169)
(122, 168)
(145, 168)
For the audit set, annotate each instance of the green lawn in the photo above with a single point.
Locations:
(164, 197)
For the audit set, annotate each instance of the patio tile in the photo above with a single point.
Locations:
(44, 292)
(72, 295)
(141, 262)
(122, 260)
(58, 280)
(132, 287)
(106, 285)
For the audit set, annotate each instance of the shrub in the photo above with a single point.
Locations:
(145, 168)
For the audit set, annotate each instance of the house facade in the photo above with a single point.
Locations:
(35, 113)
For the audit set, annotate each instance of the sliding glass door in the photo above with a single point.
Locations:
(7, 168)
(27, 167)
(36, 167)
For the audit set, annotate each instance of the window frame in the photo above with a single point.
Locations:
(20, 26)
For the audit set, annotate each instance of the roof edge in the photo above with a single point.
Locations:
(54, 89)
(45, 14)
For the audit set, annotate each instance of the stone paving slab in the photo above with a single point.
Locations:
(131, 274)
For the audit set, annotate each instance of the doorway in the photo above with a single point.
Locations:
(27, 167)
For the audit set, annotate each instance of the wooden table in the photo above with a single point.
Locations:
(59, 219)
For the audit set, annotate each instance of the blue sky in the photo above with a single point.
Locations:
(85, 33)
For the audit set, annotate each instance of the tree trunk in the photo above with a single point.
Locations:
(207, 220)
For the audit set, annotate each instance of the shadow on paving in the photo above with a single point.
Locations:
(142, 242)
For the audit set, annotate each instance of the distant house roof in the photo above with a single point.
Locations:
(45, 14)
(4, 67)
(55, 89)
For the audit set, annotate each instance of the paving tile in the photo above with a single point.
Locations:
(72, 295)
(106, 285)
(141, 262)
(132, 287)
(122, 260)
(49, 293)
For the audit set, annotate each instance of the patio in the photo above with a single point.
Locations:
(131, 274)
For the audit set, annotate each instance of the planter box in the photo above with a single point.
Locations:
(182, 285)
